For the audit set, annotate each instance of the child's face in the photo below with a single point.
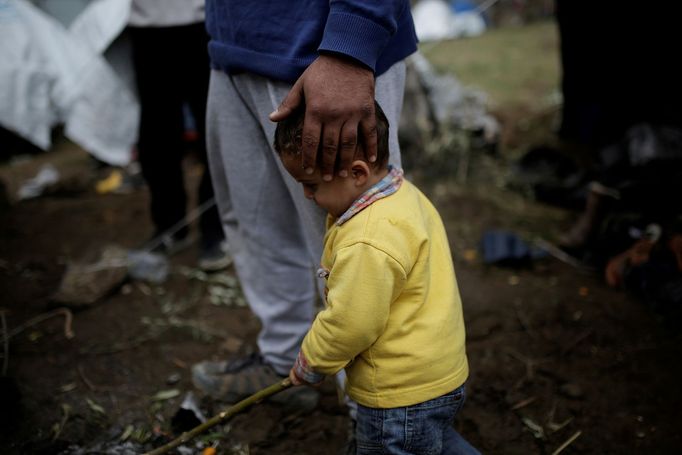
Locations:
(335, 196)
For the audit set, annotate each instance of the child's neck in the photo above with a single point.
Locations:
(374, 178)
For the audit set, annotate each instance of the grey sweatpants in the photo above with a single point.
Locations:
(274, 233)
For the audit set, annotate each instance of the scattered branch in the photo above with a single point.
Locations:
(58, 427)
(68, 318)
(523, 403)
(525, 324)
(554, 427)
(124, 345)
(529, 363)
(568, 442)
(537, 430)
(87, 382)
(576, 341)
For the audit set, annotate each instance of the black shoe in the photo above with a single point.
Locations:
(214, 257)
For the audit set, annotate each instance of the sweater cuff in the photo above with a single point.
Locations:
(304, 372)
(356, 37)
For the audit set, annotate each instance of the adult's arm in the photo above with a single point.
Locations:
(338, 87)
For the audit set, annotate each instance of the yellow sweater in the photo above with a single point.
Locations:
(393, 316)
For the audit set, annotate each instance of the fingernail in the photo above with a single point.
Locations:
(327, 178)
(343, 173)
(372, 158)
(274, 112)
(308, 170)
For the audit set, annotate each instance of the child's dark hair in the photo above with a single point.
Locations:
(288, 135)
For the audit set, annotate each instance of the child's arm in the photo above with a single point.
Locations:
(302, 373)
(363, 282)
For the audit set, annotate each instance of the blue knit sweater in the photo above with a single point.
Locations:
(278, 39)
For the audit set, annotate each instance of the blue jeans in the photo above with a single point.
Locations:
(424, 428)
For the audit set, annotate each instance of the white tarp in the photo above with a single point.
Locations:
(50, 75)
(435, 20)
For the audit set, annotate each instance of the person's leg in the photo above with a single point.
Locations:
(389, 91)
(265, 233)
(268, 240)
(160, 135)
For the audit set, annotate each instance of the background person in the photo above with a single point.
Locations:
(172, 69)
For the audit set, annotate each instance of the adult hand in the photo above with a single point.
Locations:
(339, 97)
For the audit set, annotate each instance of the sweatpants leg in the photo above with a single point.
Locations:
(275, 234)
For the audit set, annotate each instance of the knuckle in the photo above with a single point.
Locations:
(367, 110)
(315, 109)
(348, 143)
(329, 150)
(329, 143)
(371, 131)
(323, 111)
(309, 140)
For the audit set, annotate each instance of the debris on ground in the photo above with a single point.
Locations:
(84, 283)
(34, 187)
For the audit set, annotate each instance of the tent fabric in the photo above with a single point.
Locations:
(51, 75)
(436, 20)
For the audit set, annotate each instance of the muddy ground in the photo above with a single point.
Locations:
(555, 355)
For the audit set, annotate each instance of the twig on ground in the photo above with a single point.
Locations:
(87, 382)
(537, 430)
(525, 324)
(529, 363)
(561, 255)
(552, 410)
(223, 416)
(122, 346)
(68, 318)
(58, 427)
(568, 442)
(523, 403)
(554, 427)
(576, 341)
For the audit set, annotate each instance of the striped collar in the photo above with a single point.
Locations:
(385, 187)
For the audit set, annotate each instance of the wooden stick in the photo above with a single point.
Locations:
(68, 317)
(567, 443)
(223, 416)
(523, 403)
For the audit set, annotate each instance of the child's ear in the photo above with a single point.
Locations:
(359, 171)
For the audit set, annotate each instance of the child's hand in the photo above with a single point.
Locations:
(295, 380)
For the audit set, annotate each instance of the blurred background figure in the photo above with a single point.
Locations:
(621, 101)
(172, 71)
(621, 98)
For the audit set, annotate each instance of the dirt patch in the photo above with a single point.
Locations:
(553, 352)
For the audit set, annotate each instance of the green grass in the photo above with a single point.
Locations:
(518, 67)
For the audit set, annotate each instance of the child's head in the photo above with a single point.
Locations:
(338, 194)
